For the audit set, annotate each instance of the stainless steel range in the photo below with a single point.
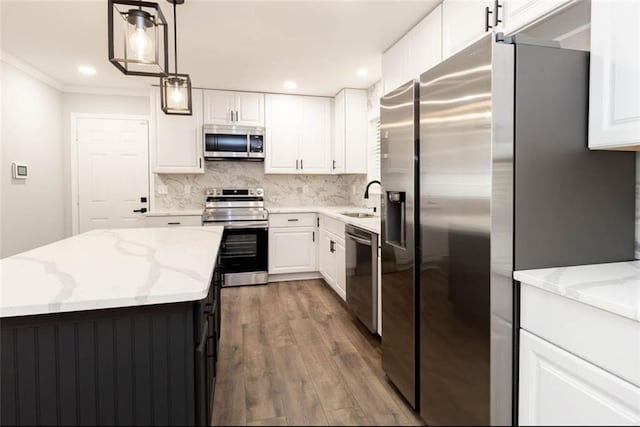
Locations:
(244, 247)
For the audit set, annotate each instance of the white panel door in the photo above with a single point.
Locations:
(516, 14)
(340, 269)
(113, 172)
(282, 134)
(219, 107)
(463, 22)
(326, 262)
(315, 135)
(250, 109)
(177, 140)
(614, 95)
(338, 150)
(425, 45)
(292, 250)
(356, 127)
(558, 388)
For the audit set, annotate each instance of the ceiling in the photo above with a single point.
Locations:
(241, 45)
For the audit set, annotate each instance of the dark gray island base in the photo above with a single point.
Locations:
(142, 365)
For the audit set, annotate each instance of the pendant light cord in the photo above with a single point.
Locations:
(175, 39)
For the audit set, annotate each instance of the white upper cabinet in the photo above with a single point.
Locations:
(176, 141)
(350, 132)
(282, 134)
(614, 94)
(419, 50)
(233, 108)
(516, 14)
(315, 135)
(298, 134)
(463, 22)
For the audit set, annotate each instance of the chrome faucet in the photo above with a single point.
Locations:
(366, 191)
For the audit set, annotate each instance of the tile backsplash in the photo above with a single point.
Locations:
(280, 190)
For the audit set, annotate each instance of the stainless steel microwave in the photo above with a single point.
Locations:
(233, 143)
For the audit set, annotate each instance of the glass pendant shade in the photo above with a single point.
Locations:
(138, 41)
(175, 94)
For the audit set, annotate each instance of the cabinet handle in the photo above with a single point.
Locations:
(332, 247)
(200, 162)
(296, 164)
(301, 164)
(175, 223)
(487, 12)
(236, 115)
(313, 236)
(334, 164)
(496, 16)
(292, 219)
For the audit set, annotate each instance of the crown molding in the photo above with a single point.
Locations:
(8, 58)
(139, 92)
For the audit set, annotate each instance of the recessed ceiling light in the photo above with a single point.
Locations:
(362, 72)
(290, 84)
(87, 70)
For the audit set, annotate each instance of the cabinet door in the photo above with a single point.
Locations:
(292, 250)
(355, 132)
(339, 260)
(282, 134)
(250, 109)
(558, 388)
(337, 162)
(394, 66)
(177, 140)
(516, 14)
(325, 257)
(463, 22)
(425, 43)
(614, 95)
(219, 105)
(315, 135)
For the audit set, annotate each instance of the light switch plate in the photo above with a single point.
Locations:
(19, 170)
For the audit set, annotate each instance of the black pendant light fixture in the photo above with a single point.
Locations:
(138, 41)
(175, 89)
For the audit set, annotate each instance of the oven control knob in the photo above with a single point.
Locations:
(259, 192)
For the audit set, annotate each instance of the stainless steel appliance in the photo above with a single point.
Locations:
(505, 182)
(233, 142)
(362, 274)
(244, 249)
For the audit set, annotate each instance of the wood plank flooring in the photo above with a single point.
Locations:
(291, 354)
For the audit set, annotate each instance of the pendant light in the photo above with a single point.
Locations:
(138, 38)
(175, 89)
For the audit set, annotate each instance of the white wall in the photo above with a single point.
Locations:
(32, 209)
(86, 103)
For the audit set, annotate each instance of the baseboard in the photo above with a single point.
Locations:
(294, 276)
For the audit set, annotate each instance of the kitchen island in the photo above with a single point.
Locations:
(115, 327)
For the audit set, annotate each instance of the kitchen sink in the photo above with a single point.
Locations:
(358, 214)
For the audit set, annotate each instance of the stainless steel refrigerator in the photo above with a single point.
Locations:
(502, 180)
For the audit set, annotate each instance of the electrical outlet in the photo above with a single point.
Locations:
(187, 189)
(163, 189)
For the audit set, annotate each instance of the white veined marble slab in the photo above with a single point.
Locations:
(110, 268)
(614, 287)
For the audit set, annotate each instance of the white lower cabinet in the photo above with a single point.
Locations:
(331, 255)
(559, 388)
(292, 244)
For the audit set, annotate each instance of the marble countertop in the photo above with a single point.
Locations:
(370, 224)
(614, 287)
(111, 268)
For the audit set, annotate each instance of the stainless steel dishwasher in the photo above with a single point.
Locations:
(362, 274)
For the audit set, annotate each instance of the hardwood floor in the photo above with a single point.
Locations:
(291, 354)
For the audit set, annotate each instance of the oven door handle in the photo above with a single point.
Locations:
(237, 225)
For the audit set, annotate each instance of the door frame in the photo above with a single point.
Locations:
(73, 159)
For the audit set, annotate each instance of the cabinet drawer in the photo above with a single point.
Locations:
(292, 220)
(174, 221)
(333, 226)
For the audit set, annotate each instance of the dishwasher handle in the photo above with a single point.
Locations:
(359, 239)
